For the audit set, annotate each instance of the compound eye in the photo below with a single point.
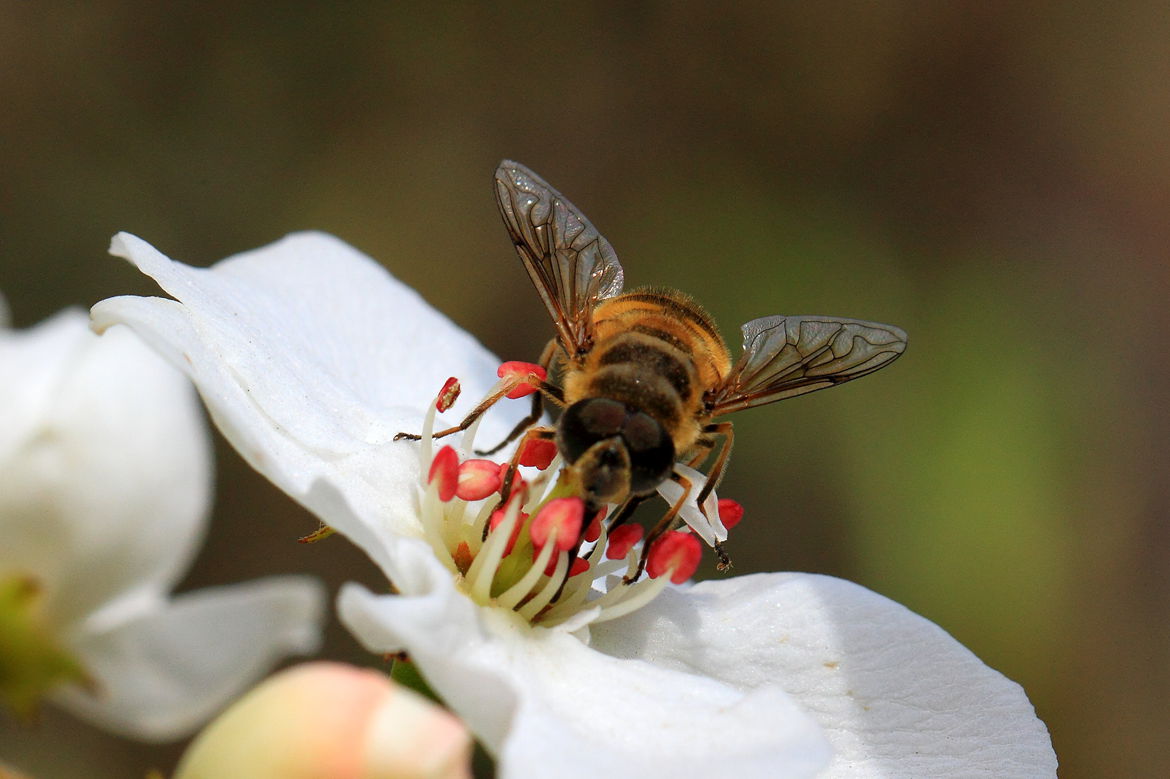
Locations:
(586, 422)
(642, 432)
(602, 417)
(651, 452)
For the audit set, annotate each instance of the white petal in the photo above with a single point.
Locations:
(896, 695)
(706, 523)
(311, 357)
(104, 465)
(546, 704)
(162, 673)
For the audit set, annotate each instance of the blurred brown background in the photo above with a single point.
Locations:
(992, 177)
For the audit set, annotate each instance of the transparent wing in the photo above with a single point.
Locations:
(786, 356)
(571, 264)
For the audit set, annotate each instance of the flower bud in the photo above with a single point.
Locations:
(329, 719)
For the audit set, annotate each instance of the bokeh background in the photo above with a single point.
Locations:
(993, 177)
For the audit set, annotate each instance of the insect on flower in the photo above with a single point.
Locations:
(643, 377)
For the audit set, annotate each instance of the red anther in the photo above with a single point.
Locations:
(538, 452)
(622, 540)
(730, 512)
(675, 553)
(477, 479)
(561, 520)
(448, 395)
(593, 529)
(445, 472)
(498, 517)
(517, 481)
(527, 376)
(580, 565)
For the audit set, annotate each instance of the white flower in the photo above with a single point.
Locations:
(105, 479)
(311, 358)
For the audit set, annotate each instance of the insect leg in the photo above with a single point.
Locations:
(715, 475)
(554, 393)
(473, 415)
(545, 433)
(625, 511)
(702, 450)
(663, 525)
(568, 571)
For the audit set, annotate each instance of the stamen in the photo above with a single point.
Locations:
(517, 480)
(622, 540)
(448, 394)
(730, 512)
(426, 437)
(526, 375)
(637, 596)
(559, 522)
(483, 570)
(628, 596)
(593, 529)
(432, 523)
(537, 453)
(608, 567)
(575, 594)
(477, 479)
(677, 554)
(497, 518)
(511, 597)
(533, 607)
(480, 518)
(444, 473)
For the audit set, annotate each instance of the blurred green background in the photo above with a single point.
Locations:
(994, 178)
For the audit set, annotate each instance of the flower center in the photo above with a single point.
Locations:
(527, 546)
(32, 661)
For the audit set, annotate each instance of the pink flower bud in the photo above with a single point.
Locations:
(329, 719)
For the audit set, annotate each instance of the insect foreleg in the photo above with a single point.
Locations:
(702, 450)
(663, 525)
(501, 389)
(625, 511)
(545, 433)
(468, 420)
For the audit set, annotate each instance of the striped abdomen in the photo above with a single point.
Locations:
(657, 351)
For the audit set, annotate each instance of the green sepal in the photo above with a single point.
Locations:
(406, 673)
(31, 661)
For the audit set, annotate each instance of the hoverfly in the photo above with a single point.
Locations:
(645, 380)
